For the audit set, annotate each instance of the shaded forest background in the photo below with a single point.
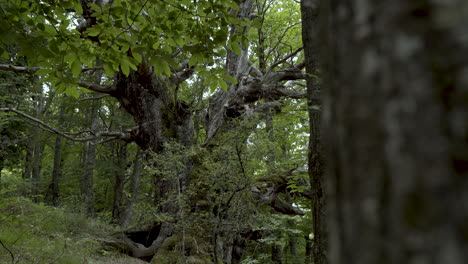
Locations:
(243, 131)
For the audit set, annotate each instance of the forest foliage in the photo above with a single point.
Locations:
(73, 171)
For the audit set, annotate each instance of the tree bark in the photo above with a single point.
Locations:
(311, 38)
(395, 115)
(134, 188)
(277, 254)
(28, 160)
(36, 170)
(54, 190)
(308, 250)
(90, 156)
(118, 209)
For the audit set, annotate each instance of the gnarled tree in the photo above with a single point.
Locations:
(148, 50)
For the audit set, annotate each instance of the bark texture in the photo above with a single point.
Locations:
(395, 114)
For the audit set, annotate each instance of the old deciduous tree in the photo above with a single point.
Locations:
(147, 57)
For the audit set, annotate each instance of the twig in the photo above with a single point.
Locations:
(285, 58)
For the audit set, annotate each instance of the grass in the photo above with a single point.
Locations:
(40, 234)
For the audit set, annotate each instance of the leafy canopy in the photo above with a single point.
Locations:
(65, 37)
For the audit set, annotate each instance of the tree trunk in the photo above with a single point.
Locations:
(292, 245)
(54, 191)
(28, 159)
(36, 170)
(134, 188)
(90, 157)
(118, 209)
(310, 33)
(395, 115)
(277, 254)
(308, 250)
(2, 162)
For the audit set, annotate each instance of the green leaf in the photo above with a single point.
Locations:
(193, 60)
(125, 67)
(72, 91)
(69, 58)
(76, 68)
(43, 72)
(230, 79)
(77, 7)
(213, 86)
(232, 4)
(137, 57)
(234, 46)
(170, 60)
(108, 69)
(223, 85)
(160, 66)
(93, 32)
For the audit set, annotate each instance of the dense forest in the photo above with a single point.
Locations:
(234, 131)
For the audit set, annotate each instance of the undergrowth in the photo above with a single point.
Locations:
(40, 234)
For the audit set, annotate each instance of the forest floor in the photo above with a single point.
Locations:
(40, 234)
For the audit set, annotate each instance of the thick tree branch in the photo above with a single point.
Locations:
(287, 74)
(293, 83)
(94, 98)
(254, 71)
(97, 88)
(292, 94)
(19, 69)
(116, 135)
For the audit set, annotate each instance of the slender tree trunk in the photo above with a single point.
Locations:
(309, 10)
(2, 160)
(28, 160)
(277, 254)
(308, 250)
(292, 244)
(395, 114)
(134, 188)
(90, 157)
(54, 191)
(118, 209)
(36, 170)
